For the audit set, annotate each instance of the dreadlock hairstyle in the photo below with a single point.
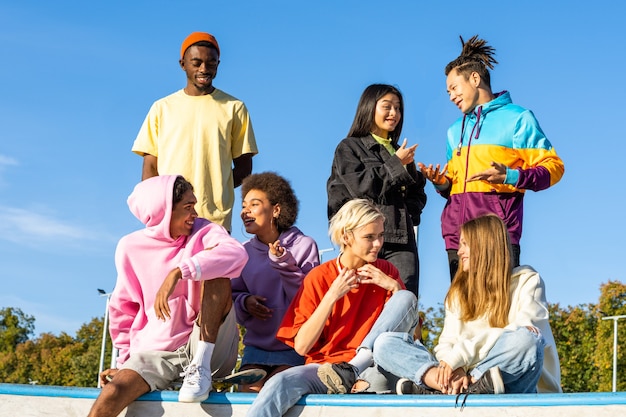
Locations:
(483, 290)
(476, 56)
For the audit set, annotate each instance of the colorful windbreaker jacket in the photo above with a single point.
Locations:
(503, 132)
(145, 257)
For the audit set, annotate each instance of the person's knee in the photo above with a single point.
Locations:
(406, 298)
(386, 343)
(529, 344)
(218, 291)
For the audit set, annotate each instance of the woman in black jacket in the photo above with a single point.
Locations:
(371, 164)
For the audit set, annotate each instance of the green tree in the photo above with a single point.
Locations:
(612, 303)
(15, 328)
(574, 330)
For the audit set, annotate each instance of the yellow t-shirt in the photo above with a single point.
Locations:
(198, 137)
(385, 142)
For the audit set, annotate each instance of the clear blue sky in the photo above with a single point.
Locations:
(77, 79)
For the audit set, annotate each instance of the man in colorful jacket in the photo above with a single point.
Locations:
(495, 152)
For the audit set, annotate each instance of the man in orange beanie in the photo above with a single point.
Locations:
(200, 132)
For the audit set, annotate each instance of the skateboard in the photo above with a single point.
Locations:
(247, 377)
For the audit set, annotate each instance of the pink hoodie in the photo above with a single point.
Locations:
(145, 257)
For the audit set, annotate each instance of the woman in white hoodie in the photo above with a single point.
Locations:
(496, 336)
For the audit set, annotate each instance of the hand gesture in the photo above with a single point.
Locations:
(276, 249)
(405, 154)
(435, 174)
(254, 305)
(345, 281)
(369, 274)
(161, 306)
(495, 175)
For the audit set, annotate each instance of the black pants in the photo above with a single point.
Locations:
(405, 258)
(453, 259)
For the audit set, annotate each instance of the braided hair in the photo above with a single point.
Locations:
(476, 56)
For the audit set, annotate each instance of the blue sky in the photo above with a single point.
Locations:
(77, 79)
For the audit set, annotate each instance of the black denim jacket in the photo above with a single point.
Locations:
(363, 168)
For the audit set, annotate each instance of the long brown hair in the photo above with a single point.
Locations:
(476, 56)
(485, 288)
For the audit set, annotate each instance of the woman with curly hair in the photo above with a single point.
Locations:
(280, 255)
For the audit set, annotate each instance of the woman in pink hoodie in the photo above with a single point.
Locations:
(172, 299)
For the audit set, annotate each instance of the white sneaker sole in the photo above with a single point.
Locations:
(496, 378)
(184, 398)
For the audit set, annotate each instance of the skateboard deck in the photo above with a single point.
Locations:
(247, 377)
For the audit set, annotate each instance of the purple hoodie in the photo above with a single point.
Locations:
(276, 279)
(145, 257)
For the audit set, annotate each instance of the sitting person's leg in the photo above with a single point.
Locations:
(400, 314)
(125, 387)
(141, 373)
(284, 389)
(400, 355)
(519, 356)
(215, 312)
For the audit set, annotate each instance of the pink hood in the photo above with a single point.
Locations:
(151, 203)
(145, 257)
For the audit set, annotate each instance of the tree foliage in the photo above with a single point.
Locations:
(57, 360)
(15, 328)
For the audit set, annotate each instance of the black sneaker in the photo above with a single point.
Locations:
(490, 383)
(405, 386)
(338, 377)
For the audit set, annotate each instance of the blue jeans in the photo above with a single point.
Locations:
(518, 354)
(284, 389)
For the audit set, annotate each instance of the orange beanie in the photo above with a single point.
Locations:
(198, 37)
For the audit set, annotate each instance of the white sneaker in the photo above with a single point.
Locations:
(196, 385)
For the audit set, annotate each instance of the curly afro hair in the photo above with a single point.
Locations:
(278, 191)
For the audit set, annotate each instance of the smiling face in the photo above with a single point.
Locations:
(200, 64)
(464, 92)
(464, 253)
(257, 213)
(183, 216)
(363, 244)
(387, 115)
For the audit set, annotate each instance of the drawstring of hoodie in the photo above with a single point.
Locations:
(476, 129)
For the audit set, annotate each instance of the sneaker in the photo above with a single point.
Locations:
(196, 385)
(338, 377)
(405, 386)
(490, 383)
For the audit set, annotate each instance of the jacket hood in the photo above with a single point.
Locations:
(501, 99)
(151, 202)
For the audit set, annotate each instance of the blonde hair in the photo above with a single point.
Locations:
(485, 288)
(352, 215)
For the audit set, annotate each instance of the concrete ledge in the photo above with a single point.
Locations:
(36, 401)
